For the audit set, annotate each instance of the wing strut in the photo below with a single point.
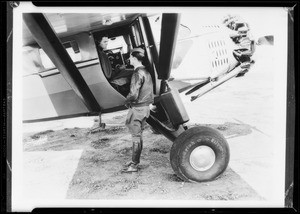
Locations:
(169, 30)
(50, 43)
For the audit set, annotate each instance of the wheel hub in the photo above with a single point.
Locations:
(202, 158)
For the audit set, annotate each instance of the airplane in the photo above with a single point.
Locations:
(63, 77)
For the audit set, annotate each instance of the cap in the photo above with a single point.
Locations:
(139, 50)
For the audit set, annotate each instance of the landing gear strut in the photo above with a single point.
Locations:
(198, 153)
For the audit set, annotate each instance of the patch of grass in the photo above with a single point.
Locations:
(125, 150)
(131, 185)
(162, 150)
(174, 177)
(37, 135)
(119, 117)
(114, 130)
(103, 142)
(229, 128)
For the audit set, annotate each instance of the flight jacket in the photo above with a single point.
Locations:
(141, 88)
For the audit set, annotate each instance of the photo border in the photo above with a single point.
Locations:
(292, 158)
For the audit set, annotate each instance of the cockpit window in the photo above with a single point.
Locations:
(72, 49)
(155, 22)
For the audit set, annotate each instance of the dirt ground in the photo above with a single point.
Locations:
(98, 173)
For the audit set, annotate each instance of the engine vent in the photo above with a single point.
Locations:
(219, 54)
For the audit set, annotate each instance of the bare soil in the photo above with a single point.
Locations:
(98, 174)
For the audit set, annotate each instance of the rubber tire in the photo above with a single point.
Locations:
(187, 142)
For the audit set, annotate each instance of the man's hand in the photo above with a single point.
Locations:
(122, 67)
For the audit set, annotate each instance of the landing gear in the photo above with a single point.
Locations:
(199, 154)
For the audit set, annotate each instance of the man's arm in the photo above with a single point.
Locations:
(135, 85)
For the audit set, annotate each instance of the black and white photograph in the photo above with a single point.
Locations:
(149, 107)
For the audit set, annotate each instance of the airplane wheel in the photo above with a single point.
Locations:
(199, 154)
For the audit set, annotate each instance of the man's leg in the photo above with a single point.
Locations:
(136, 132)
(136, 121)
(137, 146)
(137, 138)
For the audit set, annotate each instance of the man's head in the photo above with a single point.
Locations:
(136, 56)
(103, 42)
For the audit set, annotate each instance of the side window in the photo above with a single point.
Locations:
(155, 22)
(137, 40)
(72, 49)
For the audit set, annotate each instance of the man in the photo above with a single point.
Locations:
(138, 101)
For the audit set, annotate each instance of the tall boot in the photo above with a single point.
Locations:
(136, 151)
(132, 166)
(141, 140)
